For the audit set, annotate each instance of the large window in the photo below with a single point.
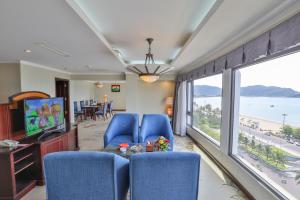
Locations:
(207, 106)
(267, 122)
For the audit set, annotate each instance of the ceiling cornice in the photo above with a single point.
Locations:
(24, 62)
(213, 9)
(93, 27)
(281, 13)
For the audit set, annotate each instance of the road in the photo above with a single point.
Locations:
(271, 140)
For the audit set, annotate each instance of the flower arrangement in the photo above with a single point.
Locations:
(162, 144)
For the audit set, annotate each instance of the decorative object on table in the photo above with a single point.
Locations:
(150, 146)
(162, 144)
(115, 88)
(123, 147)
(169, 103)
(136, 148)
(148, 76)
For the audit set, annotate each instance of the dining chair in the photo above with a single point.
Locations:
(91, 102)
(102, 111)
(164, 175)
(86, 102)
(82, 108)
(86, 175)
(109, 108)
(77, 112)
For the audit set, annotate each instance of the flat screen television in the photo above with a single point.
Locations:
(43, 114)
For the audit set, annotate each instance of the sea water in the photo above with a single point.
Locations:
(268, 108)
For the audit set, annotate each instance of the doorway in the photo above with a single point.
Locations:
(62, 87)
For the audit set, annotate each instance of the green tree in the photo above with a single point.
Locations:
(259, 148)
(241, 138)
(246, 141)
(297, 133)
(268, 151)
(280, 157)
(287, 130)
(252, 144)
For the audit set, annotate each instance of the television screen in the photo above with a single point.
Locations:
(43, 114)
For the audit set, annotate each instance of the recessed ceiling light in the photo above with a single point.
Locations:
(27, 51)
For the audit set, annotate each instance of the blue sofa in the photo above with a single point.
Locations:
(167, 176)
(86, 175)
(123, 128)
(155, 125)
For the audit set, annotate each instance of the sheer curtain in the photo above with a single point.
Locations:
(180, 109)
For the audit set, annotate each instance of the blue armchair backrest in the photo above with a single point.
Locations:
(156, 124)
(167, 176)
(85, 175)
(122, 124)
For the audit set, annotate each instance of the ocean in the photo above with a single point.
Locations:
(268, 108)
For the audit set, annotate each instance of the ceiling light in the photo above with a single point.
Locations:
(27, 51)
(148, 76)
(98, 84)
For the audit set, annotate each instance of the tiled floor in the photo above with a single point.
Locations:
(214, 185)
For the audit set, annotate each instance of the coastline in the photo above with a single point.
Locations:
(263, 124)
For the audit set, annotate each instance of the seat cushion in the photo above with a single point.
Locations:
(121, 139)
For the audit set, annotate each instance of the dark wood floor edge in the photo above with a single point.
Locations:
(223, 169)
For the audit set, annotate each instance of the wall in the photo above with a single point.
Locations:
(118, 98)
(39, 78)
(147, 98)
(9, 80)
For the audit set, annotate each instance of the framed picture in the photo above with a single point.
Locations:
(115, 88)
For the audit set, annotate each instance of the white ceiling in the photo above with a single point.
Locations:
(191, 31)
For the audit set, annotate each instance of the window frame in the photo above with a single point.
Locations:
(209, 138)
(232, 119)
(190, 92)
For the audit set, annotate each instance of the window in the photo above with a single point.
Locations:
(189, 103)
(207, 106)
(266, 131)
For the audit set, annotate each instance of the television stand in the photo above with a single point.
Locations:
(22, 167)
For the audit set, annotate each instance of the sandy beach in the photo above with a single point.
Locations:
(262, 124)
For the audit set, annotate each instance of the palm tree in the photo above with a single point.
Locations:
(246, 141)
(252, 144)
(268, 151)
(259, 148)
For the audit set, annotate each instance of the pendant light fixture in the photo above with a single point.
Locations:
(146, 75)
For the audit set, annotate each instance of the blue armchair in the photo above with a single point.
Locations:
(155, 125)
(86, 175)
(164, 175)
(123, 128)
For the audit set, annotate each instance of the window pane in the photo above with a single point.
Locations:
(267, 122)
(207, 106)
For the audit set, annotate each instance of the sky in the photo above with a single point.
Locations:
(281, 72)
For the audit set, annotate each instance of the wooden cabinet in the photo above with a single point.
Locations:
(22, 168)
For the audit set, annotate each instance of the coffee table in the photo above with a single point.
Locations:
(116, 150)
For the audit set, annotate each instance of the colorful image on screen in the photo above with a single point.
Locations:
(42, 114)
